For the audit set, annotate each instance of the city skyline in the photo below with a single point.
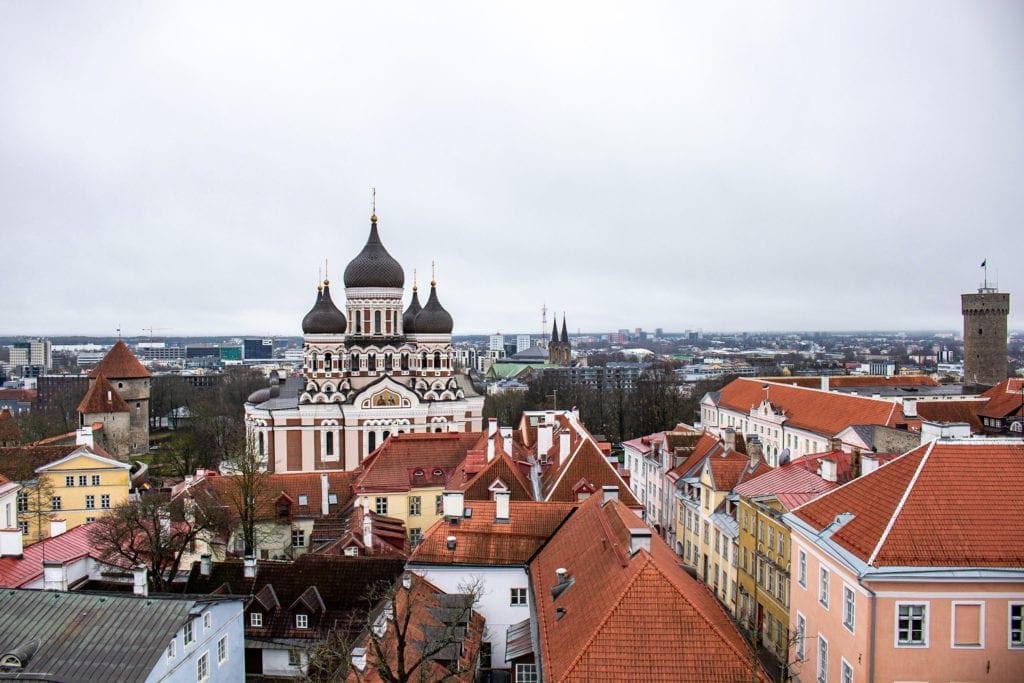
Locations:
(759, 169)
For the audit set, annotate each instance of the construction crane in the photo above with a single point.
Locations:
(151, 328)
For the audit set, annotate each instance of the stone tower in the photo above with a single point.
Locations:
(985, 350)
(559, 348)
(131, 381)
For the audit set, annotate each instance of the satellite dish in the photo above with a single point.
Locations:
(784, 456)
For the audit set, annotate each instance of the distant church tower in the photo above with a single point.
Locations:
(985, 350)
(559, 348)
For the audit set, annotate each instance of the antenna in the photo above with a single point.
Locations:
(373, 201)
(433, 273)
(543, 321)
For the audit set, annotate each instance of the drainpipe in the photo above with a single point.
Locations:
(871, 642)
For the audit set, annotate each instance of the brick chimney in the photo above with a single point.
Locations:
(506, 440)
(564, 441)
(325, 502)
(205, 564)
(11, 544)
(367, 531)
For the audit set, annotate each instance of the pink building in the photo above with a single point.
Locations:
(914, 572)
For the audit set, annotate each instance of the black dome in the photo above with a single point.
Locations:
(433, 319)
(409, 317)
(324, 317)
(374, 266)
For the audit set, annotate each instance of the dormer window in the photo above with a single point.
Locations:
(301, 621)
(256, 619)
(303, 499)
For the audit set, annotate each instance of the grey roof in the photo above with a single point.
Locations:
(531, 353)
(433, 319)
(409, 317)
(726, 524)
(324, 317)
(374, 266)
(88, 636)
(288, 396)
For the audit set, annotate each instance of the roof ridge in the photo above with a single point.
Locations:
(899, 506)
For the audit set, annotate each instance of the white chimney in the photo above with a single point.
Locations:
(451, 542)
(140, 586)
(492, 426)
(325, 504)
(367, 532)
(868, 463)
(545, 437)
(501, 505)
(609, 492)
(561, 575)
(407, 581)
(729, 436)
(359, 658)
(453, 504)
(490, 448)
(639, 538)
(249, 567)
(563, 443)
(205, 564)
(824, 383)
(55, 576)
(11, 543)
(58, 526)
(84, 437)
(506, 440)
(910, 407)
(827, 469)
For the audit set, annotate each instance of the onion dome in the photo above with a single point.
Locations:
(409, 317)
(374, 266)
(433, 319)
(324, 317)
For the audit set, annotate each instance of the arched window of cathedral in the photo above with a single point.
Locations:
(376, 322)
(353, 362)
(358, 318)
(328, 361)
(388, 362)
(423, 366)
(371, 362)
(314, 357)
(385, 435)
(260, 444)
(405, 361)
(372, 441)
(437, 360)
(329, 444)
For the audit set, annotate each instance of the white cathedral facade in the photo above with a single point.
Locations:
(370, 372)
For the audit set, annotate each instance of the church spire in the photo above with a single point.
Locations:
(565, 333)
(554, 331)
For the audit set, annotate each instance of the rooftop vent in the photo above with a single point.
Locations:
(451, 543)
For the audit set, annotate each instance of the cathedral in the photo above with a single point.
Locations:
(369, 371)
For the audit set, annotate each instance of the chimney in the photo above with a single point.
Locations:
(359, 658)
(58, 526)
(561, 575)
(407, 581)
(754, 451)
(506, 440)
(827, 469)
(910, 407)
(729, 437)
(453, 504)
(868, 463)
(490, 448)
(55, 576)
(609, 492)
(205, 564)
(140, 586)
(367, 532)
(451, 543)
(835, 444)
(11, 543)
(84, 437)
(249, 567)
(501, 505)
(325, 505)
(824, 383)
(639, 538)
(492, 426)
(563, 443)
(545, 437)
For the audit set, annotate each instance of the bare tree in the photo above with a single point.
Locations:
(248, 494)
(157, 530)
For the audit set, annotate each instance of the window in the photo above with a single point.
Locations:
(69, 481)
(82, 479)
(822, 659)
(911, 625)
(518, 596)
(303, 499)
(415, 536)
(823, 587)
(438, 501)
(294, 658)
(1017, 624)
(22, 502)
(414, 505)
(801, 631)
(24, 528)
(172, 649)
(190, 633)
(105, 501)
(301, 621)
(847, 672)
(203, 667)
(207, 620)
(381, 505)
(55, 503)
(222, 650)
(298, 538)
(849, 606)
(526, 673)
(329, 441)
(90, 502)
(95, 480)
(256, 619)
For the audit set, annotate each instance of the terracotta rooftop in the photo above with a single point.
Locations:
(67, 547)
(102, 398)
(585, 464)
(1005, 399)
(407, 461)
(627, 616)
(850, 381)
(19, 395)
(953, 411)
(500, 469)
(293, 488)
(481, 539)
(791, 484)
(19, 463)
(9, 431)
(944, 504)
(816, 411)
(730, 468)
(119, 363)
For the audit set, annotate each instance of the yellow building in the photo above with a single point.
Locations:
(71, 483)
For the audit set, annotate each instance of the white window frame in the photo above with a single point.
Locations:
(952, 625)
(824, 586)
(222, 650)
(822, 667)
(849, 608)
(203, 667)
(190, 632)
(301, 621)
(172, 649)
(845, 668)
(925, 626)
(207, 620)
(256, 619)
(801, 637)
(1009, 626)
(517, 597)
(801, 571)
(526, 673)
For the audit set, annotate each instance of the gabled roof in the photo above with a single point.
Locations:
(67, 547)
(944, 504)
(119, 363)
(953, 411)
(482, 540)
(501, 468)
(820, 412)
(333, 535)
(295, 487)
(627, 617)
(791, 484)
(589, 463)
(19, 463)
(407, 461)
(1005, 399)
(850, 381)
(731, 468)
(102, 398)
(81, 637)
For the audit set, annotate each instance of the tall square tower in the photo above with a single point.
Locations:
(985, 314)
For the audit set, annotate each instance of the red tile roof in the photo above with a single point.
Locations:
(407, 461)
(119, 363)
(586, 463)
(67, 547)
(730, 468)
(293, 486)
(816, 411)
(501, 468)
(791, 484)
(19, 395)
(944, 504)
(952, 411)
(845, 381)
(8, 427)
(102, 398)
(481, 539)
(1005, 399)
(19, 463)
(628, 617)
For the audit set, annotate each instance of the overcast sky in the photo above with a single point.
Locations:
(722, 166)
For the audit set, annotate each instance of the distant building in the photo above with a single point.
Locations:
(119, 388)
(985, 348)
(257, 349)
(559, 348)
(496, 342)
(522, 342)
